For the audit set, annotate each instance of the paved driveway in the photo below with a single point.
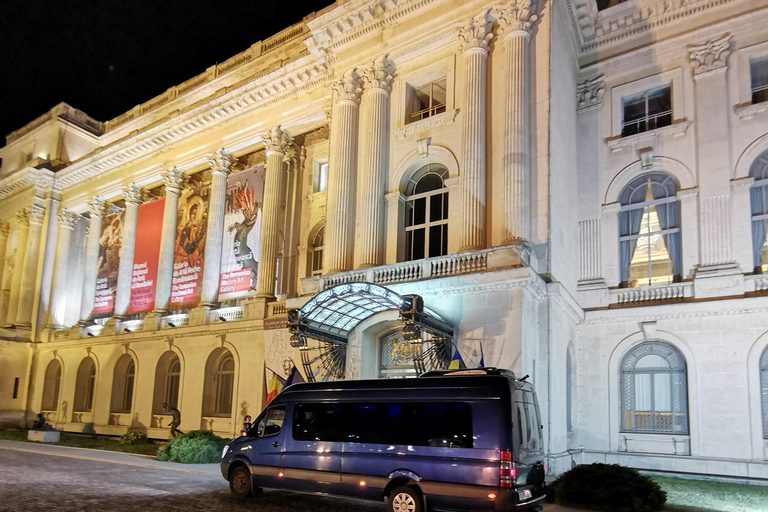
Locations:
(68, 479)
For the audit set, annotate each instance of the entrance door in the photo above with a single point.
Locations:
(267, 448)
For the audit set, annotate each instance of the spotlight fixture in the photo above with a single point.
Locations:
(222, 319)
(127, 330)
(171, 324)
(90, 334)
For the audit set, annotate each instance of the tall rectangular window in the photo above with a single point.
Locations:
(427, 100)
(647, 111)
(758, 71)
(320, 177)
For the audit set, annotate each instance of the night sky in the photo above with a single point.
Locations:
(104, 57)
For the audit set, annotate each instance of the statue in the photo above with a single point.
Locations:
(41, 424)
(175, 419)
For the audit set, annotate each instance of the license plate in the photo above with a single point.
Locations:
(525, 494)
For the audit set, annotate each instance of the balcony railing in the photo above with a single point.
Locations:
(756, 283)
(664, 292)
(176, 320)
(227, 314)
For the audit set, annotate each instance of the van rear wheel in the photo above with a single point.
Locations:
(405, 499)
(240, 482)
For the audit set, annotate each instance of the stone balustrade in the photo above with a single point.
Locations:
(756, 283)
(227, 314)
(175, 320)
(665, 292)
(131, 325)
(277, 309)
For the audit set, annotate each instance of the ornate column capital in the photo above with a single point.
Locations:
(22, 217)
(517, 16)
(475, 33)
(589, 93)
(133, 194)
(379, 74)
(98, 207)
(68, 219)
(710, 56)
(221, 161)
(277, 140)
(36, 214)
(173, 179)
(347, 88)
(5, 229)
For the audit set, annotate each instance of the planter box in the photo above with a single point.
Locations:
(44, 436)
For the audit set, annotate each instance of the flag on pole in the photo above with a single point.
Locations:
(294, 378)
(457, 363)
(276, 384)
(482, 358)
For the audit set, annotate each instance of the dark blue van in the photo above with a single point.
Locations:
(451, 440)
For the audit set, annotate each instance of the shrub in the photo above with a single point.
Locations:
(608, 487)
(134, 438)
(194, 447)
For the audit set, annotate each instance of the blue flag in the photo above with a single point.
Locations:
(294, 378)
(482, 358)
(457, 363)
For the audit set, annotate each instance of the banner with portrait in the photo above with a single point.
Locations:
(189, 248)
(242, 233)
(149, 226)
(108, 265)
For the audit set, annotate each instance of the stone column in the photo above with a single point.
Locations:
(342, 167)
(22, 220)
(277, 142)
(27, 290)
(98, 210)
(515, 22)
(133, 195)
(57, 309)
(374, 165)
(222, 164)
(173, 179)
(474, 37)
(5, 231)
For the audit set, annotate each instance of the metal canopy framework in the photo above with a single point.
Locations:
(330, 316)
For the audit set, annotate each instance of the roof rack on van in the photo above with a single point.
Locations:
(470, 371)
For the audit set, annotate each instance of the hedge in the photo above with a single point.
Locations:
(194, 447)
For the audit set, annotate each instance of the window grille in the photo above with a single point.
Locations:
(428, 100)
(758, 197)
(647, 111)
(650, 249)
(224, 378)
(654, 395)
(758, 71)
(426, 213)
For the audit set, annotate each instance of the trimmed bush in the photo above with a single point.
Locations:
(608, 487)
(134, 438)
(194, 447)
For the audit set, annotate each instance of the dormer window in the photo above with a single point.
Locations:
(758, 70)
(647, 111)
(427, 100)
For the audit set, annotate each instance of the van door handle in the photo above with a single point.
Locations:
(275, 444)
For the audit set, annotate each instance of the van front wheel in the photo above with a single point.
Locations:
(240, 482)
(405, 499)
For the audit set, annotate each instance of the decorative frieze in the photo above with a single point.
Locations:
(710, 56)
(590, 266)
(589, 93)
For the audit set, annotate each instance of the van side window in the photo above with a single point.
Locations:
(319, 422)
(272, 422)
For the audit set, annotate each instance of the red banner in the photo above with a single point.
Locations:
(109, 261)
(149, 229)
(192, 222)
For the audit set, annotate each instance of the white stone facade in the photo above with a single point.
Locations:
(523, 126)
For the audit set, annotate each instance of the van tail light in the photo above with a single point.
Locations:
(506, 470)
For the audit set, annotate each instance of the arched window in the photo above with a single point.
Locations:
(85, 385)
(426, 213)
(318, 244)
(51, 386)
(122, 384)
(764, 390)
(758, 196)
(167, 382)
(219, 384)
(650, 250)
(654, 395)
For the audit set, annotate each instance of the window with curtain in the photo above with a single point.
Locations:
(758, 198)
(426, 213)
(647, 111)
(172, 381)
(317, 252)
(650, 249)
(758, 71)
(223, 379)
(764, 390)
(654, 396)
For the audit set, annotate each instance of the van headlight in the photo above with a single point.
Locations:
(224, 452)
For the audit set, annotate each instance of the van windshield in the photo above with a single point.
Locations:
(446, 425)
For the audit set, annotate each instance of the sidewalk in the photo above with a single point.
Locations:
(126, 459)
